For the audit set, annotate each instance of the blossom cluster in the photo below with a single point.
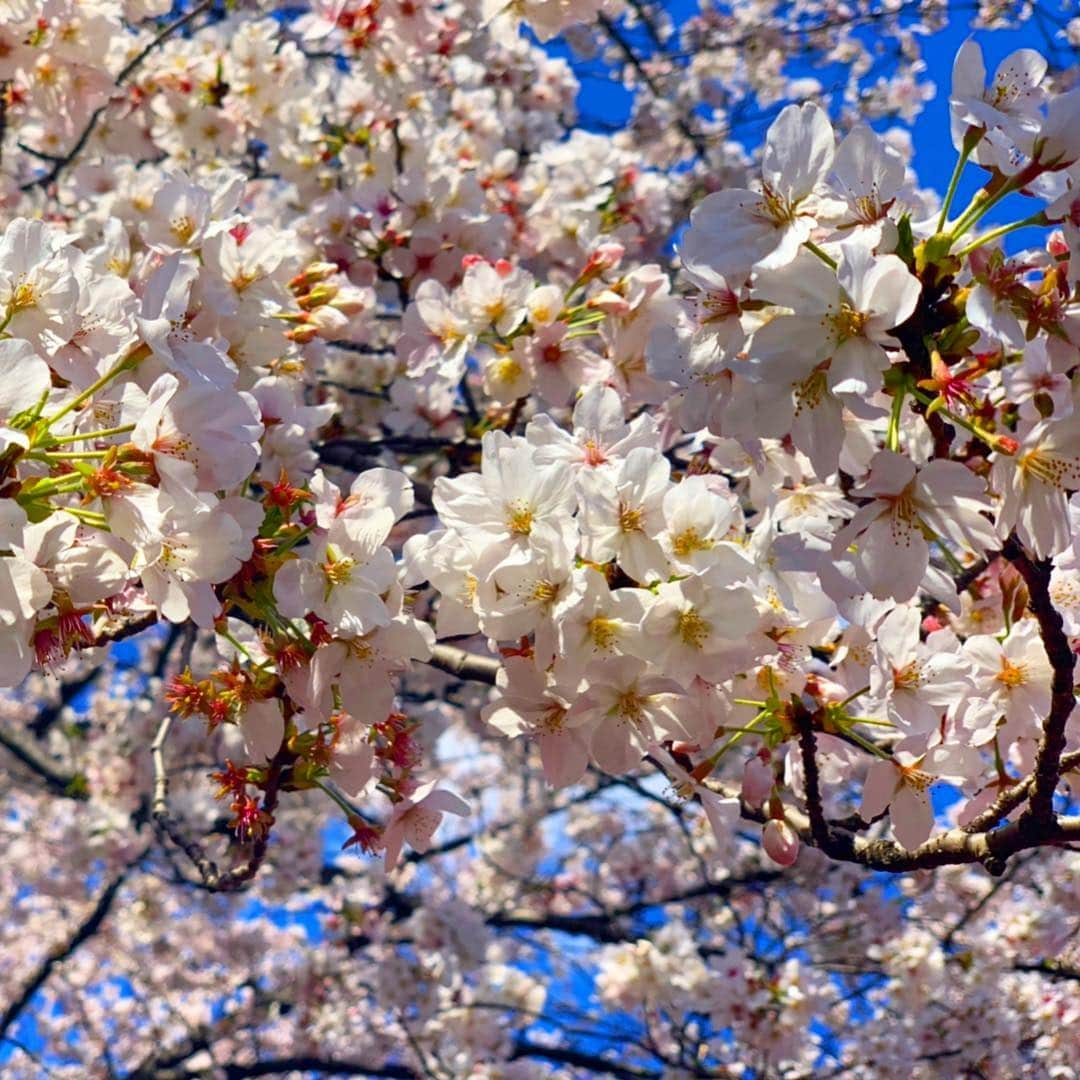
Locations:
(691, 513)
(673, 511)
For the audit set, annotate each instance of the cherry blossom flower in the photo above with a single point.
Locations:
(943, 500)
(902, 785)
(415, 819)
(735, 230)
(915, 682)
(1034, 483)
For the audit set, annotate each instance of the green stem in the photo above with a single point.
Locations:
(1002, 230)
(125, 363)
(824, 256)
(72, 455)
(56, 485)
(735, 739)
(979, 208)
(236, 644)
(954, 563)
(967, 425)
(102, 433)
(339, 799)
(851, 697)
(289, 544)
(892, 439)
(867, 745)
(954, 182)
(87, 517)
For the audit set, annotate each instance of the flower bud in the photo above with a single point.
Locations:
(757, 781)
(780, 842)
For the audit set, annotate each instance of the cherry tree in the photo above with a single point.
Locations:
(489, 591)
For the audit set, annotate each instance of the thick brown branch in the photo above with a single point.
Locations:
(1047, 773)
(465, 665)
(323, 1066)
(597, 1066)
(957, 846)
(1014, 795)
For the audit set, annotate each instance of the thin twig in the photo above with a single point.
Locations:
(59, 953)
(61, 163)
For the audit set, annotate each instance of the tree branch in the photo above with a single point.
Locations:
(59, 953)
(313, 1063)
(1047, 772)
(57, 779)
(597, 1066)
(465, 665)
(60, 163)
(1056, 969)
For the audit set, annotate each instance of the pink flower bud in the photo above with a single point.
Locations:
(606, 256)
(757, 781)
(780, 842)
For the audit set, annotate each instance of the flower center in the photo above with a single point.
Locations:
(692, 629)
(629, 705)
(909, 677)
(1050, 470)
(809, 393)
(1011, 675)
(602, 631)
(689, 541)
(630, 517)
(337, 571)
(848, 323)
(182, 228)
(519, 519)
(553, 719)
(545, 592)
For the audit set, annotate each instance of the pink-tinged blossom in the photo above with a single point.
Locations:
(415, 819)
(199, 437)
(780, 842)
(38, 291)
(184, 544)
(1012, 678)
(1039, 383)
(527, 704)
(942, 501)
(162, 322)
(24, 590)
(840, 319)
(902, 785)
(601, 437)
(703, 626)
(1034, 485)
(512, 500)
(867, 178)
(734, 230)
(622, 514)
(916, 682)
(25, 382)
(1012, 103)
(627, 711)
(342, 577)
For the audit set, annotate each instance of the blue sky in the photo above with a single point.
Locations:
(603, 101)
